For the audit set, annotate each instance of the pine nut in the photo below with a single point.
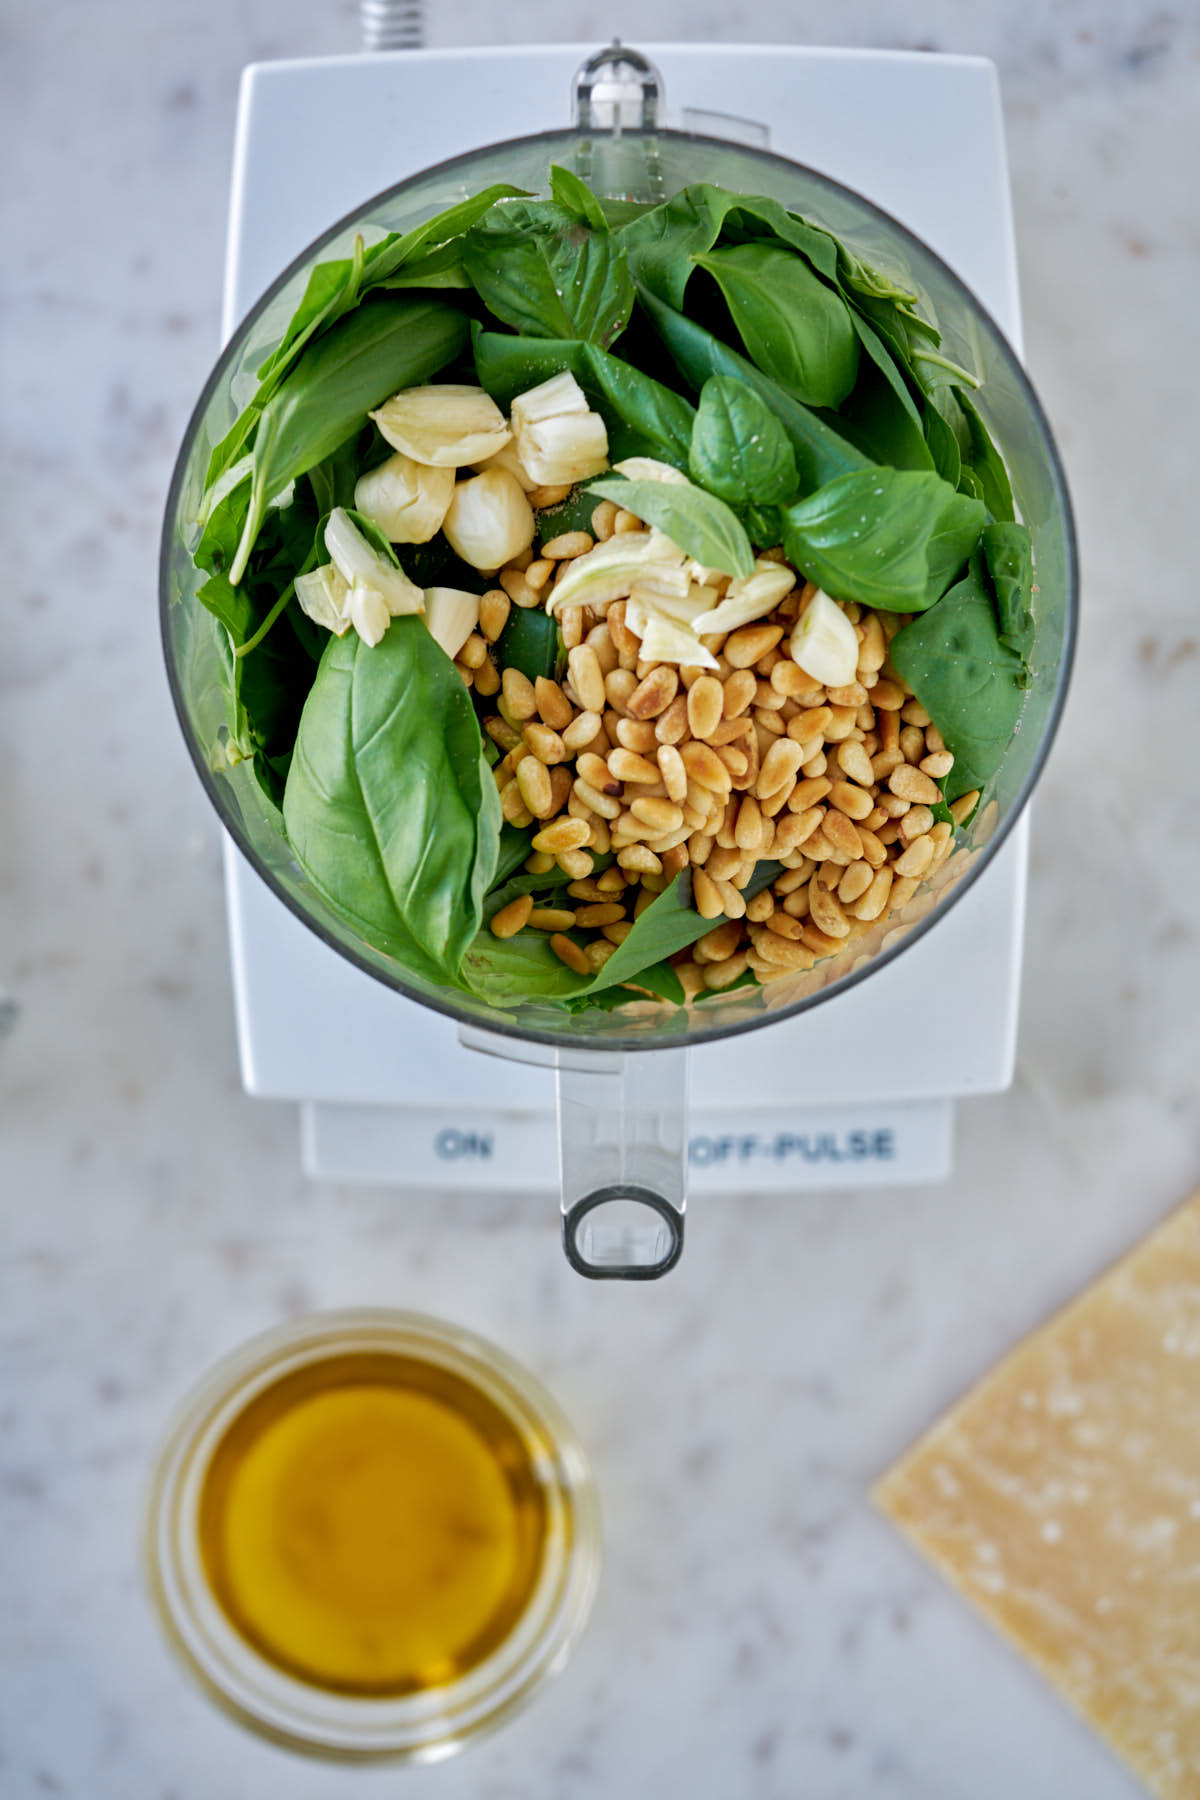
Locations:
(908, 783)
(841, 835)
(518, 589)
(796, 828)
(628, 643)
(789, 679)
(618, 932)
(705, 705)
(546, 745)
(674, 774)
(841, 724)
(601, 912)
(819, 942)
(706, 767)
(770, 722)
(915, 824)
(853, 694)
(913, 713)
(808, 792)
(732, 903)
(636, 734)
(934, 739)
(603, 520)
(854, 882)
(761, 907)
(744, 646)
(738, 692)
(725, 861)
(540, 498)
(494, 607)
(599, 639)
(700, 847)
(596, 772)
(518, 694)
(653, 695)
(809, 726)
(720, 974)
(627, 765)
(767, 698)
(873, 849)
(671, 727)
(563, 834)
(661, 816)
(937, 764)
(502, 733)
(719, 943)
(783, 924)
(587, 678)
(598, 953)
(729, 731)
(513, 917)
(575, 863)
(626, 521)
(580, 732)
(912, 742)
(513, 807)
(706, 895)
(854, 763)
(602, 804)
(617, 688)
(916, 859)
(570, 953)
(553, 705)
(885, 761)
(487, 678)
(872, 648)
(779, 766)
(570, 621)
(795, 906)
(962, 808)
(875, 900)
(888, 695)
(533, 779)
(639, 859)
(551, 918)
(571, 543)
(748, 832)
(778, 950)
(735, 760)
(851, 800)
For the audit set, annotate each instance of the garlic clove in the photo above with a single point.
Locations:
(489, 520)
(824, 643)
(446, 425)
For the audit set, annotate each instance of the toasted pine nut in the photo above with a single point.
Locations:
(738, 692)
(587, 677)
(653, 695)
(571, 625)
(518, 589)
(908, 783)
(808, 793)
(888, 695)
(872, 647)
(580, 732)
(914, 861)
(853, 694)
(518, 695)
(603, 520)
(626, 521)
(855, 881)
(875, 900)
(962, 808)
(538, 573)
(617, 688)
(748, 832)
(744, 646)
(638, 858)
(821, 943)
(760, 908)
(719, 943)
(494, 607)
(779, 766)
(571, 543)
(601, 912)
(502, 733)
(793, 830)
(720, 974)
(596, 772)
(671, 726)
(599, 639)
(725, 861)
(840, 833)
(935, 765)
(662, 816)
(627, 765)
(699, 847)
(636, 734)
(873, 849)
(933, 739)
(545, 744)
(674, 774)
(551, 918)
(795, 905)
(570, 953)
(512, 806)
(563, 834)
(533, 779)
(851, 800)
(705, 767)
(789, 679)
(602, 804)
(552, 703)
(618, 931)
(915, 823)
(772, 947)
(542, 497)
(706, 895)
(575, 863)
(735, 760)
(732, 903)
(513, 917)
(885, 761)
(598, 953)
(913, 713)
(912, 742)
(854, 762)
(705, 705)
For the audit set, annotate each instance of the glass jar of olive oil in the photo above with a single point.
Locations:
(370, 1535)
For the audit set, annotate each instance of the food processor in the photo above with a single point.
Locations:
(902, 157)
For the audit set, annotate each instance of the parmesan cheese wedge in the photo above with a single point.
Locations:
(1062, 1498)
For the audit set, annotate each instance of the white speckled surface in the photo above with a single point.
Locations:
(758, 1631)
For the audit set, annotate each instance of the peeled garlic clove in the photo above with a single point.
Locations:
(548, 400)
(608, 572)
(368, 612)
(567, 448)
(665, 641)
(648, 468)
(446, 426)
(361, 567)
(407, 500)
(322, 595)
(750, 597)
(451, 615)
(507, 458)
(490, 521)
(825, 643)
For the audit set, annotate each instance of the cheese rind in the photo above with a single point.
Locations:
(1062, 1497)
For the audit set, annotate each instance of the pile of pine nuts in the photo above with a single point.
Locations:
(665, 769)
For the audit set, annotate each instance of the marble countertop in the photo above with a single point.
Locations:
(759, 1630)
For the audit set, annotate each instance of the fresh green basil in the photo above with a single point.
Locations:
(390, 807)
(969, 683)
(1008, 558)
(576, 198)
(517, 886)
(821, 452)
(986, 462)
(739, 450)
(539, 270)
(699, 523)
(888, 538)
(881, 415)
(796, 328)
(642, 417)
(388, 342)
(530, 642)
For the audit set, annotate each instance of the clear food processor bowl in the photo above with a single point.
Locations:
(622, 1074)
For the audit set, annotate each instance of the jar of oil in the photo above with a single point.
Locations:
(371, 1534)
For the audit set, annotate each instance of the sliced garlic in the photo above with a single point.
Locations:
(407, 500)
(825, 643)
(378, 590)
(451, 615)
(559, 439)
(368, 612)
(648, 468)
(490, 521)
(749, 597)
(446, 426)
(322, 594)
(665, 641)
(608, 572)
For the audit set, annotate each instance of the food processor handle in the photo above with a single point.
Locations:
(622, 1143)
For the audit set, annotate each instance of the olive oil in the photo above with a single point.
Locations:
(373, 1524)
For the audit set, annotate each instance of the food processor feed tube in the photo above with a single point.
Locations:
(621, 1071)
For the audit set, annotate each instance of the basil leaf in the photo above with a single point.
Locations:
(643, 418)
(986, 461)
(441, 267)
(516, 847)
(699, 523)
(507, 971)
(539, 270)
(1008, 558)
(795, 328)
(530, 642)
(575, 197)
(518, 885)
(388, 342)
(739, 450)
(390, 808)
(386, 259)
(942, 440)
(890, 538)
(969, 683)
(880, 415)
(821, 452)
(332, 290)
